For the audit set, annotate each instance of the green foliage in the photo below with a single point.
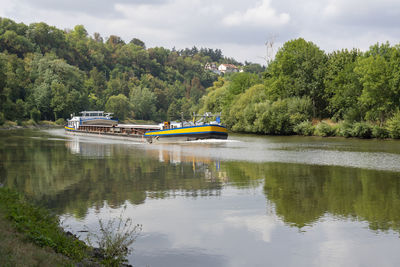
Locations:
(60, 121)
(341, 83)
(298, 70)
(253, 68)
(345, 129)
(380, 132)
(324, 129)
(118, 105)
(362, 130)
(39, 226)
(240, 82)
(115, 239)
(272, 118)
(242, 113)
(377, 96)
(61, 72)
(35, 115)
(57, 90)
(393, 125)
(2, 119)
(304, 128)
(253, 112)
(143, 103)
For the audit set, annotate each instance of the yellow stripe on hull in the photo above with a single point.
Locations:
(188, 130)
(69, 128)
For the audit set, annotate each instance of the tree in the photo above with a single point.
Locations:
(298, 70)
(47, 38)
(58, 90)
(342, 85)
(14, 43)
(143, 103)
(119, 105)
(377, 96)
(138, 42)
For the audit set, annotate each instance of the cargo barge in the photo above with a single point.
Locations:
(100, 123)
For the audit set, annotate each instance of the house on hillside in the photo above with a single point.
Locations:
(227, 68)
(212, 67)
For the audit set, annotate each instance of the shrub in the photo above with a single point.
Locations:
(324, 129)
(300, 109)
(35, 114)
(272, 118)
(60, 121)
(2, 119)
(114, 239)
(362, 130)
(304, 128)
(380, 132)
(28, 123)
(393, 125)
(345, 129)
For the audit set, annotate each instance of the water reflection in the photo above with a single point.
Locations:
(90, 150)
(196, 203)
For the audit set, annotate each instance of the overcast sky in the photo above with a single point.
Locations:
(239, 28)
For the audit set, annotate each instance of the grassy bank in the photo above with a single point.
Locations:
(32, 236)
(364, 130)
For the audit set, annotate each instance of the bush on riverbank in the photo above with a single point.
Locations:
(347, 129)
(304, 128)
(362, 130)
(393, 126)
(324, 129)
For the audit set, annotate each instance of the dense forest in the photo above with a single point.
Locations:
(308, 92)
(47, 74)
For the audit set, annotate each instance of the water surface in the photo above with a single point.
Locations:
(247, 201)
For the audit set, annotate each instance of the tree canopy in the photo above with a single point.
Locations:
(55, 72)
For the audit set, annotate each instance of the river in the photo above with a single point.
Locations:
(246, 201)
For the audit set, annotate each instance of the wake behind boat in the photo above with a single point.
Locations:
(102, 124)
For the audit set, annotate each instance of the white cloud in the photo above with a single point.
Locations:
(239, 28)
(260, 15)
(261, 225)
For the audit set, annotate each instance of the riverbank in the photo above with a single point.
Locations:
(32, 236)
(31, 124)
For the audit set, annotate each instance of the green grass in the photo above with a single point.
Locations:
(27, 229)
(15, 250)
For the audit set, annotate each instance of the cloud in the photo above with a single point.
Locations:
(261, 225)
(104, 8)
(260, 15)
(369, 14)
(239, 28)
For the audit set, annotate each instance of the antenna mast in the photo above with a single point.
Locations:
(269, 44)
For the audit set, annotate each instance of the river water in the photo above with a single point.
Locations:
(246, 201)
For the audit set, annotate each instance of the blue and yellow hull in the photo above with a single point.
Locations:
(190, 133)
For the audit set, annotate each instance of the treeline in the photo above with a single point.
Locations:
(47, 74)
(306, 91)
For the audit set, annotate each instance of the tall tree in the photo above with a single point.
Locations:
(298, 70)
(342, 85)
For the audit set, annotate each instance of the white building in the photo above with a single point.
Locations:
(226, 68)
(212, 67)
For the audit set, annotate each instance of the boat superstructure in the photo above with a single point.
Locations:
(91, 118)
(100, 123)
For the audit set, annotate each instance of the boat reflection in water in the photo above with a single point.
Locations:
(174, 154)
